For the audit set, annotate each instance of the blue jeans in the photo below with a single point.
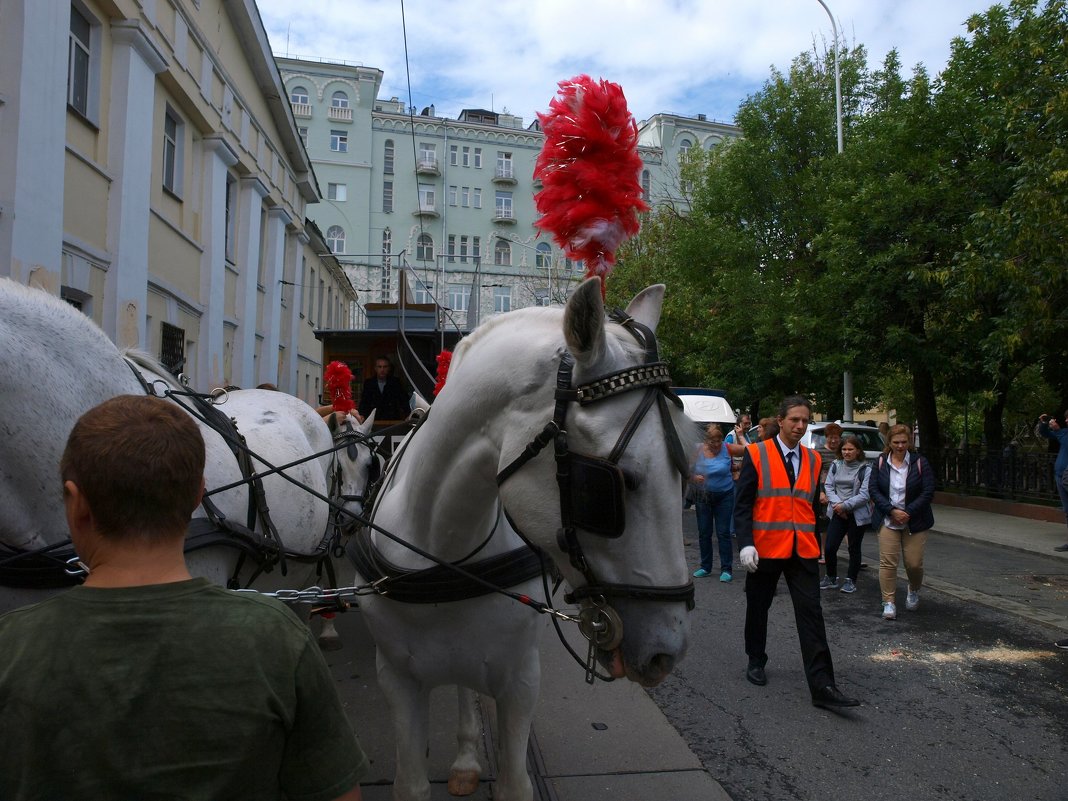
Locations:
(714, 512)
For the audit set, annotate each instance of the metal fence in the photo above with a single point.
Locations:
(1009, 474)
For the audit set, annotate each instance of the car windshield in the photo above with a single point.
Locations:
(870, 440)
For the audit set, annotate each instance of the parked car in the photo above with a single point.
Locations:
(705, 406)
(870, 437)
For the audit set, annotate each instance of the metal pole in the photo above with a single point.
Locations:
(847, 376)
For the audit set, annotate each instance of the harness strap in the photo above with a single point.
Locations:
(443, 583)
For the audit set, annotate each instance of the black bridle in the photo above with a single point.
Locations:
(592, 489)
(350, 440)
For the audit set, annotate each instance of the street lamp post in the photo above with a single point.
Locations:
(847, 376)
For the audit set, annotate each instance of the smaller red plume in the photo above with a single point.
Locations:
(338, 379)
(444, 360)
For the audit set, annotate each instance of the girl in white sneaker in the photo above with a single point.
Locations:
(848, 510)
(901, 487)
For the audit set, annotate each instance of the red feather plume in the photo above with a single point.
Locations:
(444, 360)
(589, 166)
(338, 379)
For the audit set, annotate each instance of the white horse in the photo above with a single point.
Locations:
(442, 496)
(55, 364)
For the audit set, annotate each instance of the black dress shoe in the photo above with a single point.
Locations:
(755, 674)
(1062, 548)
(830, 697)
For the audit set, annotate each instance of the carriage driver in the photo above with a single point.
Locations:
(146, 682)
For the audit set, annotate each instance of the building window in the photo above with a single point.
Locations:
(303, 135)
(172, 347)
(478, 158)
(329, 307)
(385, 286)
(541, 297)
(231, 216)
(476, 247)
(452, 195)
(424, 248)
(338, 192)
(322, 299)
(311, 297)
(543, 255)
(502, 253)
(298, 96)
(476, 198)
(502, 298)
(339, 100)
(450, 251)
(387, 196)
(173, 137)
(504, 165)
(387, 157)
(424, 293)
(427, 197)
(428, 154)
(684, 148)
(466, 157)
(335, 239)
(459, 297)
(465, 196)
(503, 205)
(463, 249)
(453, 153)
(645, 185)
(79, 62)
(339, 141)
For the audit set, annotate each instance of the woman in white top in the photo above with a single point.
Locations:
(902, 486)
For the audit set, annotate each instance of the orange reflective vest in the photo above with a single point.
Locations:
(784, 521)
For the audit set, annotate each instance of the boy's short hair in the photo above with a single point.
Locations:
(139, 462)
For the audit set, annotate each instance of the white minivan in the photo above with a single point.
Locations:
(705, 406)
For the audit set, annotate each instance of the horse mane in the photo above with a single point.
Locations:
(147, 362)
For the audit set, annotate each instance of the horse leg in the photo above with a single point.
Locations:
(329, 639)
(465, 770)
(409, 704)
(515, 712)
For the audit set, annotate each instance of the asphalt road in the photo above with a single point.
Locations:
(961, 700)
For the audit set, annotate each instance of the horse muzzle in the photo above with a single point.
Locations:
(654, 638)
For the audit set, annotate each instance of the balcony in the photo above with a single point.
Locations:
(427, 210)
(338, 114)
(428, 165)
(504, 175)
(302, 110)
(504, 214)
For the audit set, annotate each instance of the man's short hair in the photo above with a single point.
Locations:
(139, 462)
(790, 401)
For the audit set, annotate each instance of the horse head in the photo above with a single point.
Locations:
(355, 468)
(608, 509)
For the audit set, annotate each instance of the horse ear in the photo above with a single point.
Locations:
(584, 321)
(368, 422)
(331, 422)
(646, 305)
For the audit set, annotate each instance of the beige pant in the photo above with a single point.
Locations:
(892, 544)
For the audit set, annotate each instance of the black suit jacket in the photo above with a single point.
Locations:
(391, 403)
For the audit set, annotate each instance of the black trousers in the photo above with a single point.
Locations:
(803, 580)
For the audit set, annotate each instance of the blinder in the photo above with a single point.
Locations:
(597, 488)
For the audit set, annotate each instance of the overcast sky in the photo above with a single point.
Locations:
(680, 56)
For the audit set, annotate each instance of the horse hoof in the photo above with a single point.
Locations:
(463, 782)
(330, 643)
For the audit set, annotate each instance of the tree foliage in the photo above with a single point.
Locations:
(932, 251)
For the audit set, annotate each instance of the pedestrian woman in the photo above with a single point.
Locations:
(1052, 430)
(901, 487)
(714, 500)
(848, 510)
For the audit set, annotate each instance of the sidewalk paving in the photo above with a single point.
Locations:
(602, 741)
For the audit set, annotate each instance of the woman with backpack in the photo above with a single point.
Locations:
(901, 487)
(848, 510)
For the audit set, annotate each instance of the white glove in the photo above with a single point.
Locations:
(749, 559)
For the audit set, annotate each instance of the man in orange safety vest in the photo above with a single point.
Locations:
(776, 529)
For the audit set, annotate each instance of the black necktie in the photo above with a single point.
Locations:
(790, 467)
